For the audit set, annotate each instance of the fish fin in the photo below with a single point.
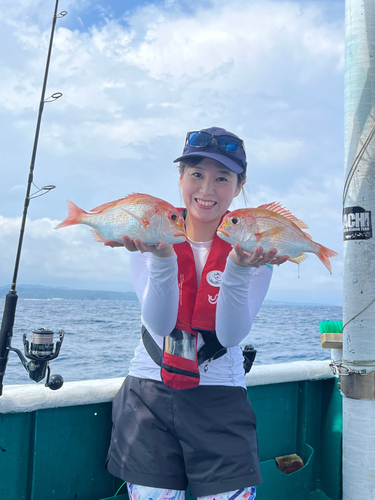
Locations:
(142, 221)
(306, 234)
(276, 207)
(324, 255)
(75, 215)
(106, 206)
(300, 258)
(133, 197)
(96, 236)
(268, 234)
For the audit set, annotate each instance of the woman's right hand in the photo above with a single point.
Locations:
(136, 245)
(257, 258)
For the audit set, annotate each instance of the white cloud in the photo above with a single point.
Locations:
(244, 34)
(273, 152)
(238, 46)
(133, 86)
(65, 253)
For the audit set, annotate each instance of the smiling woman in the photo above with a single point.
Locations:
(198, 300)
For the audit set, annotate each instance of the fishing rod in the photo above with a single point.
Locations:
(42, 348)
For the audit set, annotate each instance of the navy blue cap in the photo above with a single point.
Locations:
(234, 160)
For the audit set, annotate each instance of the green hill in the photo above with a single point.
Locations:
(40, 292)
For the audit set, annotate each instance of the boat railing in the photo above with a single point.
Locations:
(30, 397)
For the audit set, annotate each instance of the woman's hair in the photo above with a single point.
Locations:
(192, 162)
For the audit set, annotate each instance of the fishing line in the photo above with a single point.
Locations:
(354, 167)
(360, 312)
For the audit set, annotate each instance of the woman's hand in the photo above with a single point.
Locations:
(136, 245)
(257, 258)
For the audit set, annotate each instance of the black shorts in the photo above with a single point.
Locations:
(204, 437)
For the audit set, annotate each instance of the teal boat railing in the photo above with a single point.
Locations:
(58, 453)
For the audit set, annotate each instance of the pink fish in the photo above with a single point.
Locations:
(142, 216)
(272, 226)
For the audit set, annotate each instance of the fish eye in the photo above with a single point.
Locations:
(235, 220)
(173, 217)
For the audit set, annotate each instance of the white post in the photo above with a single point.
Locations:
(357, 372)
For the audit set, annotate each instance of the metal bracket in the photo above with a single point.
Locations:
(355, 384)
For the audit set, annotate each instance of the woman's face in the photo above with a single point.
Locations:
(208, 190)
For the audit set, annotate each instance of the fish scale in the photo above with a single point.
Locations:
(150, 219)
(292, 239)
(116, 224)
(272, 226)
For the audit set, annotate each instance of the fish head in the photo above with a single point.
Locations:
(235, 226)
(162, 219)
(172, 227)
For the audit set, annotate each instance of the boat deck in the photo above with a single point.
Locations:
(314, 495)
(53, 448)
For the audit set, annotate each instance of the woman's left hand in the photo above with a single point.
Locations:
(257, 258)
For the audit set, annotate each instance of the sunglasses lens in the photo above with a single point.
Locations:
(199, 139)
(224, 142)
(228, 143)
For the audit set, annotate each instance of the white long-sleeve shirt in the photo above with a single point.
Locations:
(241, 294)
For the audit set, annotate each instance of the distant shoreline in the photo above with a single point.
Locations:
(30, 292)
(50, 293)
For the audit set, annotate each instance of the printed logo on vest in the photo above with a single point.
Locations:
(214, 278)
(180, 283)
(213, 300)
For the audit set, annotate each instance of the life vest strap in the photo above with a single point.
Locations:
(154, 351)
(178, 371)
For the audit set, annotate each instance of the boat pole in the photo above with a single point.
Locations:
(6, 330)
(357, 367)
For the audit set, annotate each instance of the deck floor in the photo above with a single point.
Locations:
(314, 495)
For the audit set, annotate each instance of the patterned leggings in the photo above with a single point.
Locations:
(137, 492)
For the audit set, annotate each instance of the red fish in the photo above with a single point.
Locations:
(272, 226)
(142, 216)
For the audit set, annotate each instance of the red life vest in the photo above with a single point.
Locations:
(196, 312)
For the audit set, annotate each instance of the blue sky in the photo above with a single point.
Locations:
(135, 76)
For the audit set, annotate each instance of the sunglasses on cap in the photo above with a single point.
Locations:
(227, 143)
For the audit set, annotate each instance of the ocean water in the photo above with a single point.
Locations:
(101, 335)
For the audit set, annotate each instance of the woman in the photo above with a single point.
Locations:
(199, 295)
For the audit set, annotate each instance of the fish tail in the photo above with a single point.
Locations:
(75, 215)
(324, 255)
